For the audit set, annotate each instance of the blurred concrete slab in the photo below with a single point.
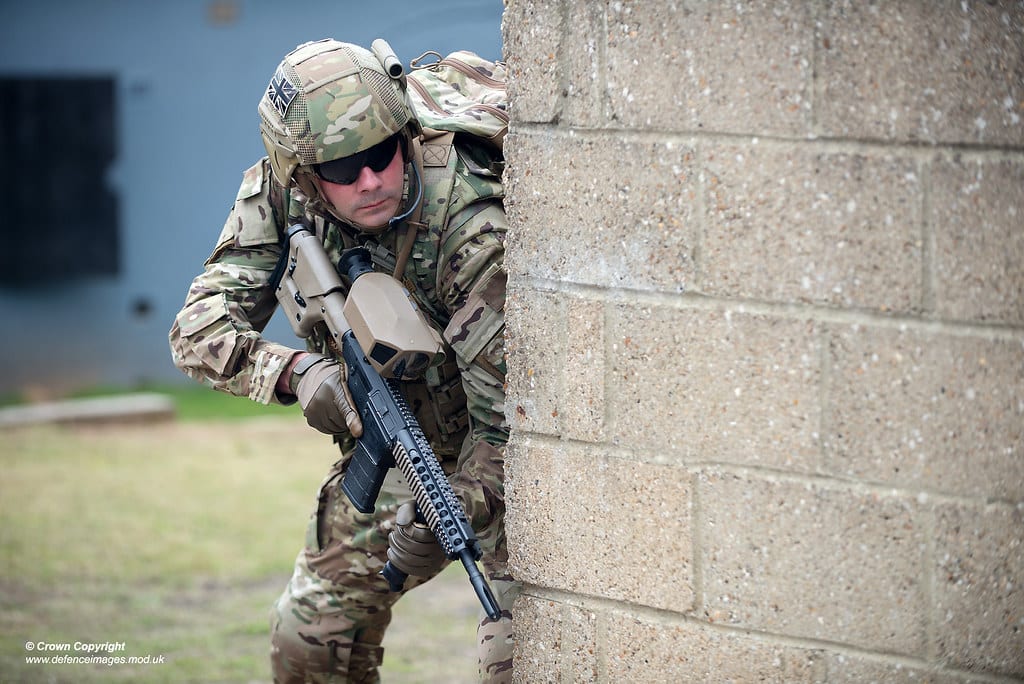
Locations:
(124, 408)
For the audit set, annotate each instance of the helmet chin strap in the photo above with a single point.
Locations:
(415, 203)
(409, 235)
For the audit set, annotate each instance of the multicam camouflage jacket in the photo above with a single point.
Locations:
(455, 273)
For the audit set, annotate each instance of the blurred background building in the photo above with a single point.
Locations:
(125, 130)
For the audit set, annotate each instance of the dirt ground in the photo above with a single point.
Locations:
(433, 633)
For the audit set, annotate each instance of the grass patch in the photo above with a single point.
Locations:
(170, 539)
(174, 539)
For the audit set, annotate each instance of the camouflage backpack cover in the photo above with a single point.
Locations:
(460, 93)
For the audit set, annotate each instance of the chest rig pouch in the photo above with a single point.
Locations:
(439, 403)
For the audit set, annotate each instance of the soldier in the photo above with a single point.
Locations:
(347, 157)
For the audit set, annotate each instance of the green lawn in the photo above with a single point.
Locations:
(174, 539)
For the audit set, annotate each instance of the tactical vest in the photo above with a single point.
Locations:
(452, 179)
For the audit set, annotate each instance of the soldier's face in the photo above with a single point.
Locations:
(373, 198)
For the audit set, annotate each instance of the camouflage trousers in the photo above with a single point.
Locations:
(329, 623)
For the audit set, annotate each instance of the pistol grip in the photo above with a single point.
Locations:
(395, 577)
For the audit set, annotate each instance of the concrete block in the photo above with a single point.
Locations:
(602, 210)
(555, 380)
(813, 560)
(797, 223)
(921, 71)
(979, 597)
(531, 32)
(582, 521)
(557, 643)
(853, 668)
(977, 215)
(640, 649)
(585, 97)
(699, 385)
(582, 402)
(712, 67)
(535, 342)
(923, 410)
(142, 407)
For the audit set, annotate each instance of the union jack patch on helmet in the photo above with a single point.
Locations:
(281, 92)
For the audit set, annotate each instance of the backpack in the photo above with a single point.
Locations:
(461, 93)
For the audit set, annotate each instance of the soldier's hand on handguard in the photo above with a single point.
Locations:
(412, 547)
(321, 385)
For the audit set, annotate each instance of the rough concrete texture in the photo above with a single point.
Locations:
(765, 335)
(977, 210)
(697, 386)
(648, 650)
(535, 340)
(560, 646)
(623, 215)
(555, 347)
(717, 66)
(921, 71)
(533, 29)
(855, 668)
(922, 409)
(621, 514)
(825, 562)
(979, 600)
(828, 227)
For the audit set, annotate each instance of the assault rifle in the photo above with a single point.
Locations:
(382, 338)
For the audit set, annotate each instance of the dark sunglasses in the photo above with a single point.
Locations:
(346, 170)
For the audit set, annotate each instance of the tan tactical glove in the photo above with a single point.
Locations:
(320, 383)
(412, 547)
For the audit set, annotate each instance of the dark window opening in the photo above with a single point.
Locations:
(59, 220)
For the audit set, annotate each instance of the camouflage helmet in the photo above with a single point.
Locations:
(329, 100)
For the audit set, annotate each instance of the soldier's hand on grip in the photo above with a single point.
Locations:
(412, 547)
(321, 385)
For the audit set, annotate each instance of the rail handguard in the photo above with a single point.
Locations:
(388, 337)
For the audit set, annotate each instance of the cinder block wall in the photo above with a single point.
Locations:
(766, 340)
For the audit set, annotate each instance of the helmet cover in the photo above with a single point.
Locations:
(329, 100)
